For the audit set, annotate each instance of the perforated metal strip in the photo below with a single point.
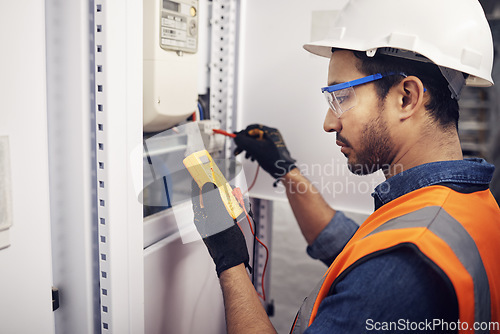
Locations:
(262, 210)
(223, 64)
(101, 161)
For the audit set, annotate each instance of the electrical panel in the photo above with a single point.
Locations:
(170, 62)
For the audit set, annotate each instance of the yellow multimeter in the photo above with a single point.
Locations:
(203, 169)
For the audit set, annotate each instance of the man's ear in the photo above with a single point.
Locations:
(411, 93)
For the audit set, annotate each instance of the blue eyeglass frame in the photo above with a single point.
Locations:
(360, 81)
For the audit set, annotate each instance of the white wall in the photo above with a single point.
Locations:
(279, 86)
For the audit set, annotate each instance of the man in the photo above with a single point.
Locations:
(425, 260)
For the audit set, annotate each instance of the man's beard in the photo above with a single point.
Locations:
(375, 152)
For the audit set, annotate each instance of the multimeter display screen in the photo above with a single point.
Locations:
(170, 5)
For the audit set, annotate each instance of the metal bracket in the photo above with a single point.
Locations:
(55, 299)
(262, 213)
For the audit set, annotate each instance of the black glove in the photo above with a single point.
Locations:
(222, 236)
(266, 145)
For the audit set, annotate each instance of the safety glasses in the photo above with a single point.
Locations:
(341, 97)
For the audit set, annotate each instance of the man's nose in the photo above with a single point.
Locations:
(332, 123)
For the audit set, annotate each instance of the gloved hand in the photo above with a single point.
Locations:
(222, 236)
(266, 145)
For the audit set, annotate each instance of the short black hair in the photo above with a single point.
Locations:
(441, 106)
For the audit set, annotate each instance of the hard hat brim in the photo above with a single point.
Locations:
(323, 48)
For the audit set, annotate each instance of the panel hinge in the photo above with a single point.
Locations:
(55, 299)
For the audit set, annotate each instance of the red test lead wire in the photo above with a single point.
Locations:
(232, 135)
(225, 133)
(239, 196)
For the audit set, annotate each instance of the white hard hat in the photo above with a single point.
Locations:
(454, 34)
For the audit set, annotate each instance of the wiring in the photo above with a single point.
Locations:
(198, 115)
(254, 179)
(232, 135)
(239, 196)
(225, 133)
(200, 109)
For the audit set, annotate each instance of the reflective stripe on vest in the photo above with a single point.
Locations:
(432, 219)
(462, 245)
(302, 319)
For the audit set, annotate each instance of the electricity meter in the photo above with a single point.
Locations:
(170, 62)
(179, 25)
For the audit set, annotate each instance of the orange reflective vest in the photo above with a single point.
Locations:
(460, 233)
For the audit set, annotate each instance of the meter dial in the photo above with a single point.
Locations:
(192, 28)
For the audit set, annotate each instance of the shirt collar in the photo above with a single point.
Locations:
(458, 173)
